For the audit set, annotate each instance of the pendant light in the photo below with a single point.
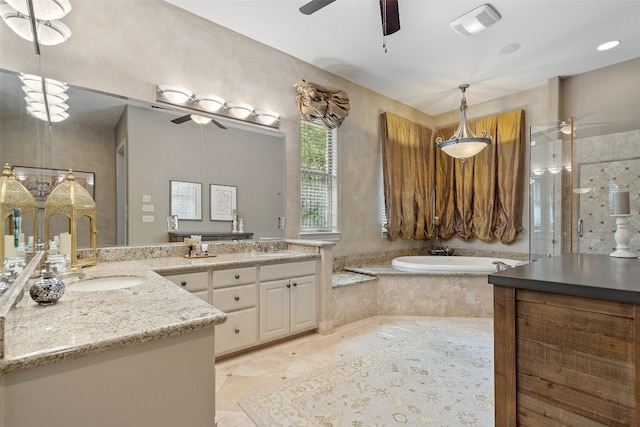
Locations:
(463, 143)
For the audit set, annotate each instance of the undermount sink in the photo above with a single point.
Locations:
(104, 284)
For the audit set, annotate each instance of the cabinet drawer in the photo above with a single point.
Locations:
(193, 282)
(239, 331)
(233, 277)
(283, 271)
(235, 298)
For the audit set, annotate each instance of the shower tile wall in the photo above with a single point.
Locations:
(605, 164)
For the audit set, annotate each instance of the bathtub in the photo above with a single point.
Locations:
(449, 264)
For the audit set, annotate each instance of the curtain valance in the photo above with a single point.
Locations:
(329, 105)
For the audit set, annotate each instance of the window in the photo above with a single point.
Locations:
(319, 178)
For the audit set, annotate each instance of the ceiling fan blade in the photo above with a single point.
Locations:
(314, 6)
(390, 16)
(217, 123)
(181, 119)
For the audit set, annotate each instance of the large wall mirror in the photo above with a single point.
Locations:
(133, 150)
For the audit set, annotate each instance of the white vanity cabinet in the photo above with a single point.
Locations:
(288, 299)
(235, 293)
(197, 283)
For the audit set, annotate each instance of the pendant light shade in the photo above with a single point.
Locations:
(463, 143)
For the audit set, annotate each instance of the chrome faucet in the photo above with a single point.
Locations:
(78, 274)
(501, 266)
(49, 266)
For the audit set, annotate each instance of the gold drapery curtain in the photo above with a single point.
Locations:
(482, 196)
(329, 105)
(408, 171)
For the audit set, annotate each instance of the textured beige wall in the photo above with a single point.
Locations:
(128, 47)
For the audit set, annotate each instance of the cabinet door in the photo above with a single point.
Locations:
(238, 332)
(274, 309)
(303, 303)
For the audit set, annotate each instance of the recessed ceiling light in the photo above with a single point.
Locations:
(509, 48)
(609, 45)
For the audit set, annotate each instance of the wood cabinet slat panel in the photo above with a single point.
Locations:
(593, 388)
(504, 356)
(578, 320)
(557, 361)
(579, 303)
(585, 342)
(534, 412)
(575, 401)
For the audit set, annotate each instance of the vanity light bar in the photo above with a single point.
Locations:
(215, 105)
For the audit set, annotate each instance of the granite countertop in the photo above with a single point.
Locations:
(585, 275)
(83, 323)
(228, 260)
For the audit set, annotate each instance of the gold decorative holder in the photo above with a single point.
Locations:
(73, 201)
(14, 195)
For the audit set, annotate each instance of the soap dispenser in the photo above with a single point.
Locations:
(48, 289)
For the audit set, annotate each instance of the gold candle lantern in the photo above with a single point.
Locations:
(73, 201)
(13, 195)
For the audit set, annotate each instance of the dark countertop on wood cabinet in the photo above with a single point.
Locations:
(584, 275)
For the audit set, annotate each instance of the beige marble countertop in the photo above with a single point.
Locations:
(83, 323)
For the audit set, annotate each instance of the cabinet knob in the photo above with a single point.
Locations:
(236, 298)
(183, 283)
(288, 285)
(236, 330)
(295, 284)
(237, 276)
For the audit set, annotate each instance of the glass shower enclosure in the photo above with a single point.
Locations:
(575, 166)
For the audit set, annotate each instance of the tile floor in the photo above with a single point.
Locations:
(248, 373)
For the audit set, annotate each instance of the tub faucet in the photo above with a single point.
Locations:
(501, 266)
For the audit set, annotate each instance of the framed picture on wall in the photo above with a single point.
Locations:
(41, 182)
(223, 202)
(186, 200)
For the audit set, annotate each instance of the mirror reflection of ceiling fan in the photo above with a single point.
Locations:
(388, 12)
(201, 120)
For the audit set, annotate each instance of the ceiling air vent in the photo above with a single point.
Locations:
(476, 20)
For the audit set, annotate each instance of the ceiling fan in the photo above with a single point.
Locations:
(201, 120)
(388, 12)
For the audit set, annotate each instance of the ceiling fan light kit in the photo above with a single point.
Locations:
(45, 98)
(200, 108)
(45, 22)
(476, 20)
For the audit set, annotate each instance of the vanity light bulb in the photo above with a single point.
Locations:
(240, 110)
(210, 102)
(175, 94)
(267, 117)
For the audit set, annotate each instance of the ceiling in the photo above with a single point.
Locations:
(426, 60)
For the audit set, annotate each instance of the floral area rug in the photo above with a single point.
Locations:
(441, 376)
